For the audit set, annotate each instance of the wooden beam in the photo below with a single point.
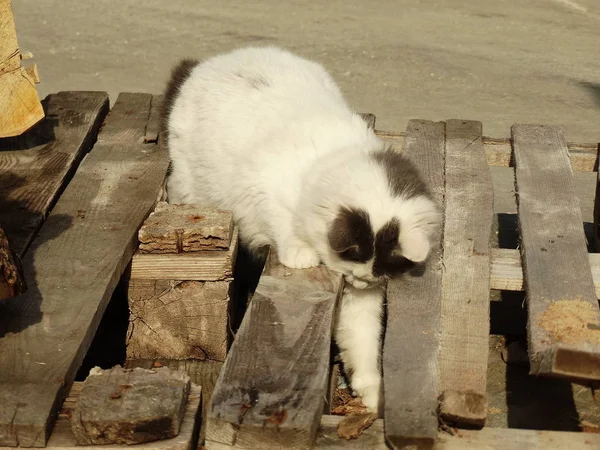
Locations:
(36, 166)
(72, 269)
(271, 391)
(62, 437)
(465, 316)
(487, 438)
(564, 318)
(20, 106)
(583, 157)
(412, 341)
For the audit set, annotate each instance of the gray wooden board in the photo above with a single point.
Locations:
(465, 317)
(412, 339)
(564, 318)
(154, 121)
(71, 270)
(36, 166)
(271, 390)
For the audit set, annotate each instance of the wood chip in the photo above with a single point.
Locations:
(352, 426)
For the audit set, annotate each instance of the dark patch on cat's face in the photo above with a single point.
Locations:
(255, 81)
(181, 72)
(388, 252)
(351, 235)
(403, 177)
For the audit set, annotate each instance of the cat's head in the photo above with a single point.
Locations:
(383, 219)
(368, 255)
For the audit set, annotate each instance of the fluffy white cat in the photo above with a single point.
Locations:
(268, 135)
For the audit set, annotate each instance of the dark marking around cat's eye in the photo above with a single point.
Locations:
(403, 177)
(181, 72)
(351, 235)
(388, 252)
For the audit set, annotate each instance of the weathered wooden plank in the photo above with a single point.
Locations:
(271, 390)
(583, 157)
(484, 439)
(20, 106)
(36, 166)
(71, 270)
(185, 228)
(62, 437)
(198, 266)
(564, 318)
(465, 320)
(12, 280)
(412, 338)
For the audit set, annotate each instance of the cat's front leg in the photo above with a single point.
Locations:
(358, 335)
(291, 250)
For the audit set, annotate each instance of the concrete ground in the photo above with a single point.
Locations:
(497, 61)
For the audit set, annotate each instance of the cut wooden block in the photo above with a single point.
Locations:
(485, 439)
(564, 318)
(62, 437)
(202, 373)
(12, 281)
(178, 319)
(130, 406)
(198, 266)
(465, 320)
(185, 228)
(72, 269)
(584, 157)
(20, 107)
(412, 338)
(271, 391)
(36, 166)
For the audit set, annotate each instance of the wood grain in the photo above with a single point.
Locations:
(198, 266)
(62, 438)
(36, 166)
(72, 269)
(564, 318)
(20, 106)
(271, 391)
(583, 157)
(465, 322)
(178, 319)
(412, 338)
(485, 439)
(153, 125)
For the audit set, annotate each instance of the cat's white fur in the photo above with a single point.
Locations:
(268, 135)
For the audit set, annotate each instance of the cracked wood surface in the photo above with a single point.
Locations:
(71, 270)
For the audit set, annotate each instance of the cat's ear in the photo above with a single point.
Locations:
(415, 246)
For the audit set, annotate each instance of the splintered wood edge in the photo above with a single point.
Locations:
(62, 436)
(584, 157)
(209, 265)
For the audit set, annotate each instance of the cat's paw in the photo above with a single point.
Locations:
(298, 257)
(367, 387)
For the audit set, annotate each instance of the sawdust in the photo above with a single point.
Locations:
(572, 322)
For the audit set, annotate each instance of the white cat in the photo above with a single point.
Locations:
(268, 135)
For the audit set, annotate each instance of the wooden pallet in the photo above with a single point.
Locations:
(73, 216)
